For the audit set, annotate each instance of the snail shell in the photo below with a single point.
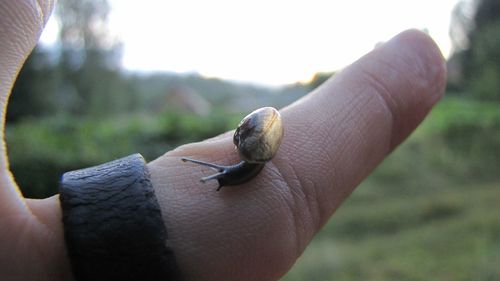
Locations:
(259, 135)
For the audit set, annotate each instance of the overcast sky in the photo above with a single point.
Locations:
(264, 41)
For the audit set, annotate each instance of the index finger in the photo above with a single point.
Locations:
(333, 138)
(338, 134)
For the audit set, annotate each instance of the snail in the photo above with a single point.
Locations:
(257, 139)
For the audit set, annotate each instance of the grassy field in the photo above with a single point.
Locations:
(446, 234)
(431, 211)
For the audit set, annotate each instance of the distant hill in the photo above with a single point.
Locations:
(232, 96)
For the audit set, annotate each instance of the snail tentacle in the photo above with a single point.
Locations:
(212, 177)
(219, 168)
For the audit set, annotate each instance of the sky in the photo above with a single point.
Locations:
(267, 42)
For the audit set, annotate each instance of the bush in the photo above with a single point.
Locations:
(40, 150)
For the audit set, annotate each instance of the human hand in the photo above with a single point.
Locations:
(334, 137)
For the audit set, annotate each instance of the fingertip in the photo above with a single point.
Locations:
(340, 132)
(408, 74)
(420, 51)
(21, 23)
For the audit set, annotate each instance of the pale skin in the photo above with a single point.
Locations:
(334, 137)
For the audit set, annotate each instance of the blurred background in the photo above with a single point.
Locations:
(110, 78)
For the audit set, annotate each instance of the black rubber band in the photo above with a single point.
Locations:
(113, 225)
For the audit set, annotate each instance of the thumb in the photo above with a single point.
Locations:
(21, 23)
(23, 238)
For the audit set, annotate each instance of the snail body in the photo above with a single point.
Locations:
(257, 139)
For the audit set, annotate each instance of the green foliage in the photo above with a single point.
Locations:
(467, 135)
(182, 127)
(79, 76)
(40, 150)
(485, 62)
(479, 59)
(319, 78)
(32, 93)
(82, 24)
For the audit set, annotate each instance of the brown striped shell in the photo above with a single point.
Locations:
(259, 135)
